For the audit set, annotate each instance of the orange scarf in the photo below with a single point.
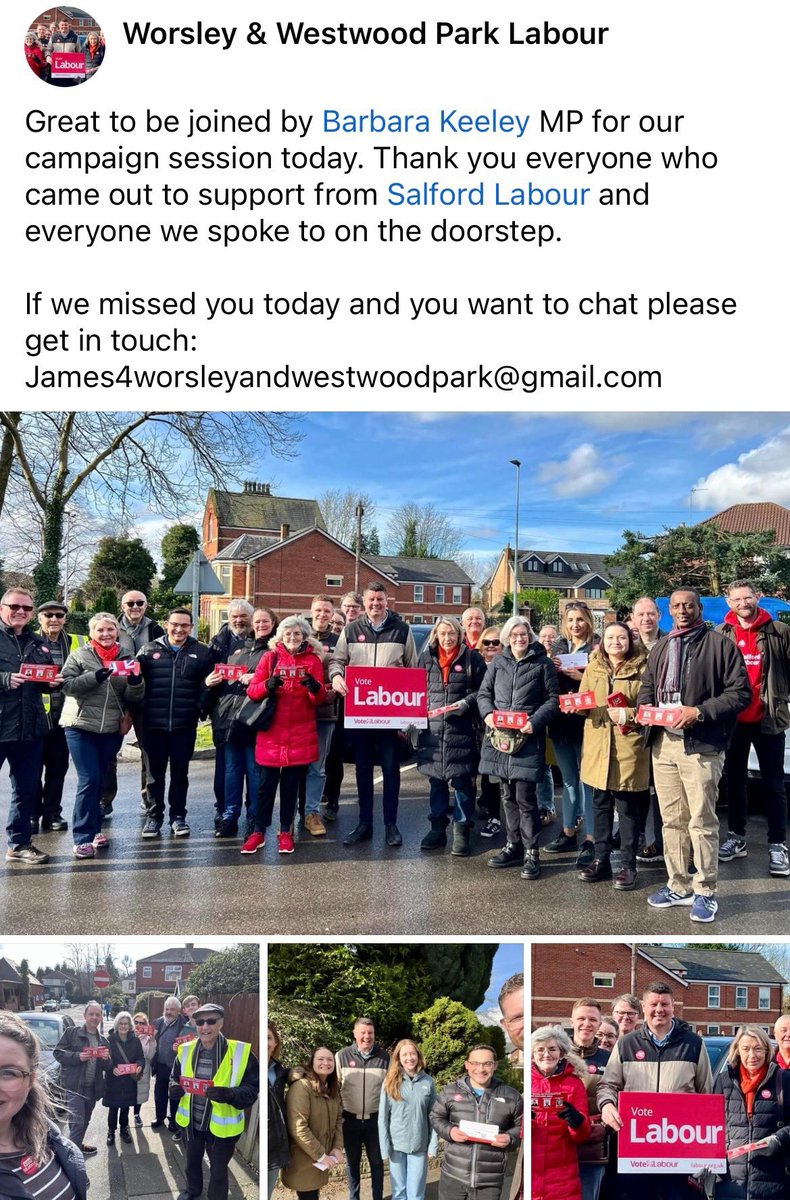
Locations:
(446, 660)
(749, 1085)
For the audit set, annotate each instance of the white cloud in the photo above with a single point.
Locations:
(583, 472)
(760, 474)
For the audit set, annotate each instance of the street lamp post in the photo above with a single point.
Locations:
(517, 464)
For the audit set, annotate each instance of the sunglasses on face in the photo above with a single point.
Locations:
(206, 1020)
(135, 603)
(20, 607)
(491, 642)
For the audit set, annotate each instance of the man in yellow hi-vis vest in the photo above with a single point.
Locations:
(51, 618)
(215, 1079)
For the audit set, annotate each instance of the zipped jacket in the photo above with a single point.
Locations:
(173, 682)
(277, 1152)
(97, 707)
(361, 1080)
(637, 1064)
(360, 645)
(611, 759)
(22, 717)
(225, 700)
(448, 747)
(70, 1159)
(404, 1124)
(475, 1164)
(556, 1147)
(53, 701)
(72, 1068)
(757, 1175)
(527, 684)
(773, 642)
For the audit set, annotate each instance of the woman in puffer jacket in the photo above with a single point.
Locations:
(447, 750)
(99, 691)
(521, 680)
(756, 1109)
(292, 673)
(559, 1115)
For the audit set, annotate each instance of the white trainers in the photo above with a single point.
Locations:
(732, 847)
(778, 860)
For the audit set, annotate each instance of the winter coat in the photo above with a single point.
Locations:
(596, 1148)
(72, 1068)
(97, 707)
(773, 642)
(613, 761)
(22, 716)
(756, 1176)
(360, 645)
(404, 1124)
(476, 1164)
(141, 634)
(315, 1128)
(67, 642)
(568, 728)
(35, 57)
(93, 61)
(120, 1091)
(169, 1054)
(528, 684)
(69, 1157)
(328, 710)
(277, 1153)
(173, 682)
(148, 1043)
(714, 680)
(361, 1079)
(224, 701)
(555, 1161)
(448, 747)
(637, 1064)
(291, 740)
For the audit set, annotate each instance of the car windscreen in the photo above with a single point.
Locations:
(47, 1032)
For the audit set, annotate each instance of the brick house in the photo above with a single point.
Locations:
(715, 990)
(572, 574)
(277, 561)
(755, 518)
(162, 971)
(12, 987)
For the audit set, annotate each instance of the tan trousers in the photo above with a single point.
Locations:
(687, 786)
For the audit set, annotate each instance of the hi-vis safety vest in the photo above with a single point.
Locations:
(225, 1120)
(75, 640)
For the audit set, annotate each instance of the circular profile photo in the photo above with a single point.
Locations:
(64, 46)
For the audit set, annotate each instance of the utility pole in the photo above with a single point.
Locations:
(515, 462)
(360, 512)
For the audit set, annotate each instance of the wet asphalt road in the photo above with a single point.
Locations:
(200, 885)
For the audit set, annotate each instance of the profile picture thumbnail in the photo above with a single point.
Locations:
(64, 46)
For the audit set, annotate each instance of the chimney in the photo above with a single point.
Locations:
(257, 489)
(285, 532)
(189, 945)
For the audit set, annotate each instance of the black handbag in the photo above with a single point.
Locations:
(254, 716)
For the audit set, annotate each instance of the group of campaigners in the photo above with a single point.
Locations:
(59, 37)
(322, 1115)
(183, 1048)
(277, 723)
(643, 1047)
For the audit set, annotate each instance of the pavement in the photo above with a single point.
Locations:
(160, 887)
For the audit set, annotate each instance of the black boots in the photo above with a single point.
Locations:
(531, 865)
(461, 836)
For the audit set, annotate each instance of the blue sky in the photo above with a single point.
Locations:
(508, 959)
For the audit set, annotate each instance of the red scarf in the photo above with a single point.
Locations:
(446, 660)
(749, 1085)
(781, 1062)
(106, 653)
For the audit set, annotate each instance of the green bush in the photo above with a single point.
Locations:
(230, 971)
(303, 1027)
(446, 1032)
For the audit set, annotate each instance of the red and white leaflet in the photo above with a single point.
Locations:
(651, 714)
(185, 1037)
(148, 1030)
(445, 708)
(617, 700)
(125, 666)
(95, 1051)
(230, 672)
(68, 66)
(291, 672)
(740, 1151)
(510, 720)
(127, 1068)
(198, 1087)
(672, 1133)
(577, 701)
(39, 672)
(386, 698)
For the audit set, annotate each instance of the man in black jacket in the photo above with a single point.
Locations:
(81, 1052)
(700, 676)
(23, 723)
(174, 668)
(476, 1169)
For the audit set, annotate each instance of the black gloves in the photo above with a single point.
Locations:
(311, 684)
(572, 1115)
(273, 683)
(103, 674)
(223, 1095)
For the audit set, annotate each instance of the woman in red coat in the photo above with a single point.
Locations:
(292, 673)
(559, 1115)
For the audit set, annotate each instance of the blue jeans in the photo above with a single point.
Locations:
(591, 1176)
(24, 766)
(90, 753)
(366, 744)
(464, 794)
(408, 1173)
(240, 766)
(546, 790)
(316, 771)
(576, 796)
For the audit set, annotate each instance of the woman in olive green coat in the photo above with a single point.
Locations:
(314, 1119)
(615, 762)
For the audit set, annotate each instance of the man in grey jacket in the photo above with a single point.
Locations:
(81, 1052)
(475, 1169)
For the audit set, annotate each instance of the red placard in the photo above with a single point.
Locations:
(386, 698)
(291, 672)
(673, 1133)
(185, 1037)
(651, 714)
(510, 720)
(39, 672)
(125, 666)
(145, 1030)
(68, 66)
(229, 672)
(198, 1087)
(126, 1069)
(577, 701)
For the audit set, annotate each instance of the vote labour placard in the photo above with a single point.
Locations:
(674, 1133)
(386, 698)
(68, 66)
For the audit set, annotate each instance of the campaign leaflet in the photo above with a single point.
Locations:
(185, 1037)
(39, 672)
(197, 1087)
(670, 1133)
(126, 1069)
(477, 1131)
(125, 666)
(573, 662)
(509, 720)
(229, 671)
(651, 714)
(577, 701)
(386, 698)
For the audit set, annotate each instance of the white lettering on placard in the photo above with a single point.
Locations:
(380, 696)
(666, 1131)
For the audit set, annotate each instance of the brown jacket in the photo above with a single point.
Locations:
(314, 1129)
(611, 760)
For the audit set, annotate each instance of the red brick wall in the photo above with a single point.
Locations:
(157, 978)
(563, 973)
(728, 1017)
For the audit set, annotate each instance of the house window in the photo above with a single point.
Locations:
(594, 593)
(558, 566)
(603, 981)
(741, 997)
(458, 595)
(532, 564)
(334, 581)
(764, 1000)
(173, 973)
(714, 1030)
(225, 573)
(147, 972)
(440, 593)
(714, 996)
(419, 593)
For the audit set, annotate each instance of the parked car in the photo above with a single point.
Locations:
(49, 1028)
(49, 1006)
(64, 1004)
